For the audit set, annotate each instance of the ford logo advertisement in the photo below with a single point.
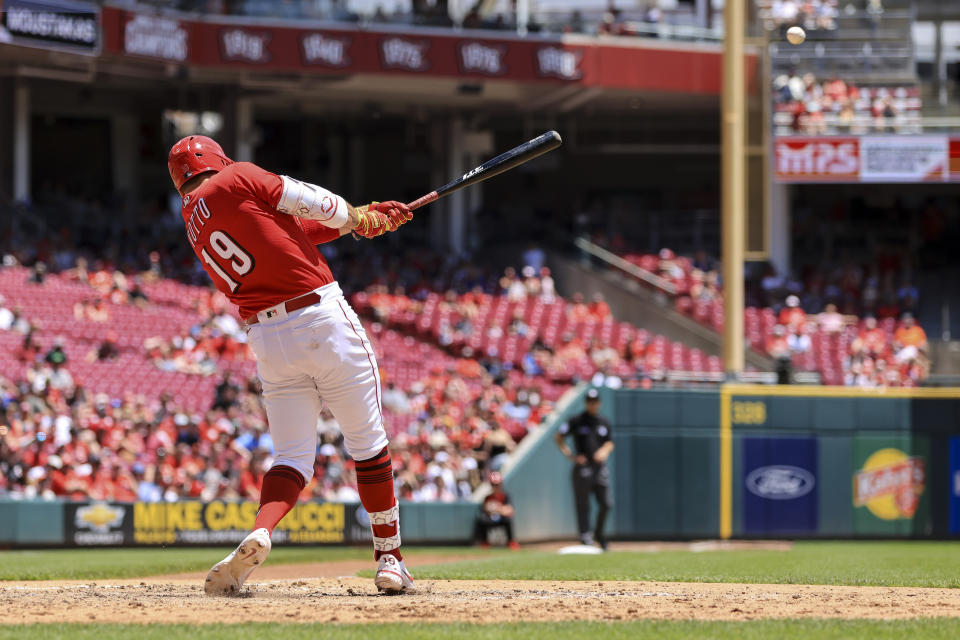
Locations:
(779, 486)
(780, 482)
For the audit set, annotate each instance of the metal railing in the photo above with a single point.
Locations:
(617, 262)
(681, 24)
(748, 377)
(867, 125)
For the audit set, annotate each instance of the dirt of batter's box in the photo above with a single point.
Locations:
(356, 600)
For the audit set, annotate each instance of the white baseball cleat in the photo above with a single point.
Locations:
(392, 575)
(228, 575)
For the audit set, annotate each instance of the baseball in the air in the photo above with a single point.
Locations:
(796, 35)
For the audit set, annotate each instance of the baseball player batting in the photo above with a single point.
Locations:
(255, 233)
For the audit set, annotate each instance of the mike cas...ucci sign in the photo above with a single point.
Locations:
(51, 24)
(881, 159)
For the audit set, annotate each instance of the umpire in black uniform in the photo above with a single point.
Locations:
(591, 437)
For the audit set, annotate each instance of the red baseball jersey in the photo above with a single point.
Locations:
(254, 254)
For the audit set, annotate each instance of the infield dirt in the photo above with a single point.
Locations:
(351, 600)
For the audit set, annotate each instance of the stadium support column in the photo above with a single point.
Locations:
(21, 142)
(124, 142)
(733, 186)
(703, 11)
(244, 124)
(6, 139)
(356, 167)
(478, 146)
(523, 16)
(940, 64)
(457, 214)
(780, 227)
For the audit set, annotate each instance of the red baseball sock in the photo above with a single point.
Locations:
(278, 495)
(375, 485)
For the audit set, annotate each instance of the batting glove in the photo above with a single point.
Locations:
(377, 218)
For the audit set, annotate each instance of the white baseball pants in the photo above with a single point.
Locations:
(319, 353)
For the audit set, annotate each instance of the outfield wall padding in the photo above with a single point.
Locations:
(31, 523)
(762, 462)
(25, 524)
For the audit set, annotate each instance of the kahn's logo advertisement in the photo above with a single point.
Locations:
(780, 482)
(155, 37)
(890, 484)
(245, 46)
(476, 57)
(96, 524)
(325, 50)
(403, 53)
(559, 63)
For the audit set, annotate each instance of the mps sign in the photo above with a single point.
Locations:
(51, 24)
(882, 159)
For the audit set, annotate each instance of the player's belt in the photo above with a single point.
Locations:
(289, 306)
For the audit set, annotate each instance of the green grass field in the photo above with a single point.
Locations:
(90, 564)
(913, 564)
(926, 628)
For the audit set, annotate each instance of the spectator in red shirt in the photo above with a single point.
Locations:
(599, 308)
(871, 340)
(792, 315)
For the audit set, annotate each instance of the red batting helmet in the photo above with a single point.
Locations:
(194, 155)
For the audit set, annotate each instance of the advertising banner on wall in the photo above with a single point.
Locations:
(209, 523)
(882, 159)
(954, 165)
(219, 522)
(51, 24)
(97, 524)
(955, 485)
(779, 485)
(890, 493)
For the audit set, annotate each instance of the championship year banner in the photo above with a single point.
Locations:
(327, 48)
(880, 159)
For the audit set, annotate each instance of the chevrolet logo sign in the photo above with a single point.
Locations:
(99, 517)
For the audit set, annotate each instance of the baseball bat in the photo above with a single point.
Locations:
(504, 162)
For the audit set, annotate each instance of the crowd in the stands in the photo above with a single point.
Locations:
(808, 105)
(854, 324)
(450, 420)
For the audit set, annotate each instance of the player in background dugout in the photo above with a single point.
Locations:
(591, 439)
(256, 235)
(496, 512)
